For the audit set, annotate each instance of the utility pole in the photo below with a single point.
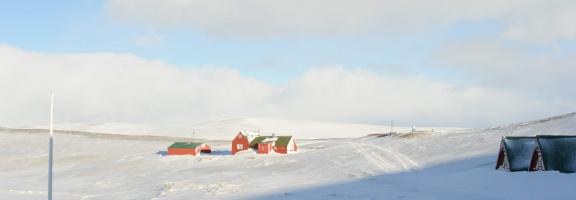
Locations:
(51, 144)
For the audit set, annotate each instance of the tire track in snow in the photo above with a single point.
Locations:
(370, 152)
(412, 164)
(373, 158)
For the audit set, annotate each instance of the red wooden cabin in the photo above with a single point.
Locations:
(265, 147)
(242, 141)
(285, 144)
(263, 144)
(188, 148)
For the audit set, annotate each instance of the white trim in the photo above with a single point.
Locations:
(290, 147)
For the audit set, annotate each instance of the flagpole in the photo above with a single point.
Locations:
(51, 146)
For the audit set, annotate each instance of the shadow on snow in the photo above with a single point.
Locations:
(213, 153)
(473, 178)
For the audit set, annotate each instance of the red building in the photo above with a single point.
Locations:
(188, 148)
(263, 144)
(285, 144)
(242, 141)
(265, 147)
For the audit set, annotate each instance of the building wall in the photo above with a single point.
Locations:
(282, 150)
(292, 147)
(182, 151)
(240, 143)
(264, 148)
(536, 164)
(501, 157)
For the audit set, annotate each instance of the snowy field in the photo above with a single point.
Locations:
(448, 164)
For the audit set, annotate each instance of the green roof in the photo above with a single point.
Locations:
(283, 141)
(257, 140)
(186, 145)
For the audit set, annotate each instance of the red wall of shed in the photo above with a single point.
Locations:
(283, 150)
(182, 151)
(500, 160)
(264, 148)
(240, 139)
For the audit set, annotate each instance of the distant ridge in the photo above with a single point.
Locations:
(101, 135)
(538, 121)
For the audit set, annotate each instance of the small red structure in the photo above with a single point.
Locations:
(188, 148)
(285, 144)
(242, 141)
(204, 148)
(264, 147)
(263, 144)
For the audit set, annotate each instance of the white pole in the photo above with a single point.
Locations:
(51, 146)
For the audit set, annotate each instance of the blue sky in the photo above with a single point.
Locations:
(83, 27)
(480, 63)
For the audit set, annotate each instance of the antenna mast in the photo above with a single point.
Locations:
(51, 146)
(391, 126)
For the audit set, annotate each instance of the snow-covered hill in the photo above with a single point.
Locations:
(455, 164)
(225, 129)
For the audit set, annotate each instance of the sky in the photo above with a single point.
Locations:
(433, 63)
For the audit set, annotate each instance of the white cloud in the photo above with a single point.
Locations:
(527, 20)
(338, 94)
(114, 87)
(548, 74)
(548, 24)
(103, 87)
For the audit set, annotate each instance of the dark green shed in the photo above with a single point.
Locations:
(556, 152)
(516, 153)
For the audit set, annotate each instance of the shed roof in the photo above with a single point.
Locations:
(558, 152)
(281, 141)
(186, 145)
(519, 152)
(258, 139)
